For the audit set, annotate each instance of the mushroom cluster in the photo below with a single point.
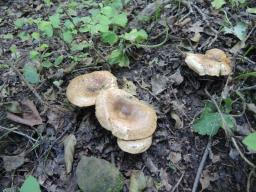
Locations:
(131, 120)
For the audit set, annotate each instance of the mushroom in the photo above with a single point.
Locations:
(135, 146)
(214, 63)
(124, 115)
(83, 89)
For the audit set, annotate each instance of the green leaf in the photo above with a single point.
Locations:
(251, 10)
(109, 37)
(24, 36)
(34, 55)
(108, 11)
(67, 36)
(48, 2)
(239, 30)
(250, 141)
(30, 74)
(119, 58)
(135, 36)
(35, 35)
(30, 184)
(19, 22)
(55, 20)
(217, 4)
(46, 28)
(210, 123)
(120, 20)
(7, 36)
(47, 64)
(79, 46)
(58, 60)
(246, 75)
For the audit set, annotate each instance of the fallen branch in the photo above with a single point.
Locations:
(201, 166)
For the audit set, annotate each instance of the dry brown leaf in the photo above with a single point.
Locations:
(129, 87)
(69, 149)
(30, 115)
(206, 178)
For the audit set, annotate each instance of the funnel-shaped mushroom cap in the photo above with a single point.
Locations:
(135, 146)
(83, 90)
(214, 63)
(125, 116)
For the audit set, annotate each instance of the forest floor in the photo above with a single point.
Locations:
(161, 78)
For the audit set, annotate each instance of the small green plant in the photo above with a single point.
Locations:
(106, 22)
(210, 120)
(217, 4)
(30, 185)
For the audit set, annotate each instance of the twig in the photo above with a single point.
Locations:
(178, 183)
(201, 166)
(249, 180)
(241, 153)
(18, 133)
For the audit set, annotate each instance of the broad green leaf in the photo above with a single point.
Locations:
(239, 30)
(47, 64)
(99, 28)
(46, 28)
(79, 46)
(58, 60)
(109, 37)
(48, 2)
(217, 4)
(24, 36)
(34, 55)
(101, 19)
(68, 24)
(210, 123)
(135, 36)
(30, 74)
(67, 36)
(108, 11)
(119, 58)
(120, 20)
(30, 185)
(35, 35)
(19, 22)
(251, 10)
(250, 141)
(55, 20)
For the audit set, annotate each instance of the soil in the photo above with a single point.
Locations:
(183, 95)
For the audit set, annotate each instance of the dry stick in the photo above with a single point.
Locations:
(28, 85)
(201, 166)
(18, 133)
(178, 183)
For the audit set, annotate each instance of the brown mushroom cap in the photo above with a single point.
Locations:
(83, 90)
(214, 63)
(125, 116)
(135, 146)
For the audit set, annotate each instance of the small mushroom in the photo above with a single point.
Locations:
(214, 63)
(124, 115)
(135, 146)
(83, 90)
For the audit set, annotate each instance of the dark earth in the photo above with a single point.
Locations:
(176, 152)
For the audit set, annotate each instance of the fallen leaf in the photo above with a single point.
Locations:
(139, 182)
(158, 84)
(177, 78)
(13, 162)
(175, 157)
(196, 27)
(206, 178)
(164, 179)
(98, 175)
(69, 149)
(29, 116)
